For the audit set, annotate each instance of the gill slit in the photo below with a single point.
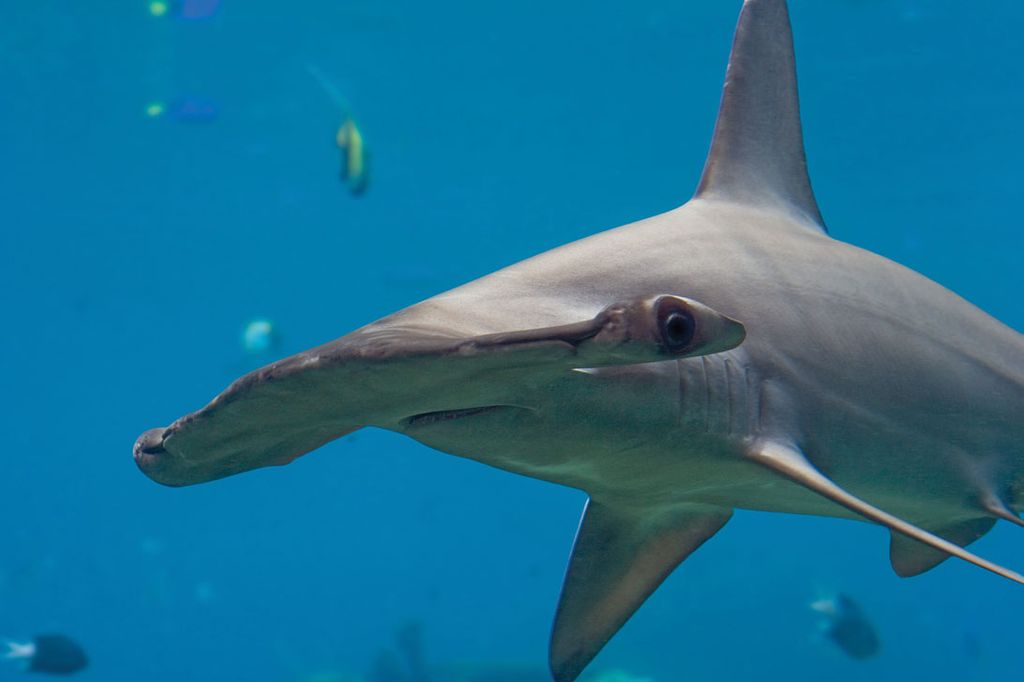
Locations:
(706, 406)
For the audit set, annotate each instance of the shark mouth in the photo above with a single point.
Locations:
(428, 418)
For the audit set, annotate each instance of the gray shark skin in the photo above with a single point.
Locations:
(726, 354)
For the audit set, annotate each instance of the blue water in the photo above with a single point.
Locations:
(133, 250)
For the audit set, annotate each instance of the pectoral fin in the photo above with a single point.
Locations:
(910, 557)
(790, 462)
(617, 561)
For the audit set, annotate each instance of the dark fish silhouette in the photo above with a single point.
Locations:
(197, 9)
(193, 109)
(52, 653)
(846, 625)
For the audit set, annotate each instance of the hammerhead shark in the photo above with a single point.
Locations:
(726, 354)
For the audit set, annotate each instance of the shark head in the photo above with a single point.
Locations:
(726, 354)
(414, 373)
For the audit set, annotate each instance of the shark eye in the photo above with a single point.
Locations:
(677, 327)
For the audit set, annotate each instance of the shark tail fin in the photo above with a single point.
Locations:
(787, 460)
(619, 558)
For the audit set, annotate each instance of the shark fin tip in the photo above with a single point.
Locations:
(997, 507)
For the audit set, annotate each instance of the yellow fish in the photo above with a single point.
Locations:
(355, 160)
(354, 157)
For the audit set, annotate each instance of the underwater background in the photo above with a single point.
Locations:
(168, 178)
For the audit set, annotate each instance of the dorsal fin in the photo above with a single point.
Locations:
(757, 153)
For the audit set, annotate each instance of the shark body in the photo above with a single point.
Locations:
(726, 354)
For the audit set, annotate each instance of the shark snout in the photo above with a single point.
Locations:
(153, 458)
(149, 448)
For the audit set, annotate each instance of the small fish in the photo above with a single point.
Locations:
(184, 9)
(845, 624)
(259, 336)
(197, 9)
(193, 109)
(185, 109)
(354, 158)
(53, 654)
